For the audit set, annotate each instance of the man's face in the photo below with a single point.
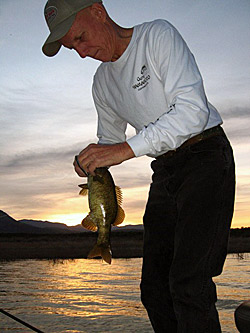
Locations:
(89, 36)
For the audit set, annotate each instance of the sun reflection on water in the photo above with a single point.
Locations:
(90, 296)
(92, 288)
(86, 295)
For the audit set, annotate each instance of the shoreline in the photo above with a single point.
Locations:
(74, 246)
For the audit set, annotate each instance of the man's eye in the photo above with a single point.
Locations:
(82, 36)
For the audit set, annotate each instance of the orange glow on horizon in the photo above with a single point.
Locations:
(239, 220)
(71, 209)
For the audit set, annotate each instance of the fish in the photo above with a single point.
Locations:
(105, 201)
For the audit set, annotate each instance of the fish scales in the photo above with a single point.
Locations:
(105, 210)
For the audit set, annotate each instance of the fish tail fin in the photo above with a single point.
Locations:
(103, 251)
(107, 254)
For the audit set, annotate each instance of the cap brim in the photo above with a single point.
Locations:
(51, 49)
(51, 45)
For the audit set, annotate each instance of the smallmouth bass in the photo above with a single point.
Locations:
(105, 210)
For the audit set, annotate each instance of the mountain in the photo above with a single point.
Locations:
(10, 225)
(59, 227)
(129, 228)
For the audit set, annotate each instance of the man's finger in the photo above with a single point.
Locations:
(80, 166)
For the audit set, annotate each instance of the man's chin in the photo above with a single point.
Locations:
(101, 57)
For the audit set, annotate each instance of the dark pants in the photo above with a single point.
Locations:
(187, 222)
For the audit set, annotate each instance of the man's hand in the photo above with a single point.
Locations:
(96, 155)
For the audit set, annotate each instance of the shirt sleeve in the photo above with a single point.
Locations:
(187, 111)
(111, 128)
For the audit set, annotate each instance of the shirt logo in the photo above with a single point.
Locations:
(143, 79)
(143, 69)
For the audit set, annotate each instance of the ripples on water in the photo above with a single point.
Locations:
(90, 296)
(73, 296)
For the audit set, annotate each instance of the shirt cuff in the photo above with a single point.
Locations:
(139, 145)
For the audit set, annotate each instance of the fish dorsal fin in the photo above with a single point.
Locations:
(120, 216)
(118, 192)
(84, 189)
(89, 224)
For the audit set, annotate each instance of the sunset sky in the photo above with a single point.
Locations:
(47, 113)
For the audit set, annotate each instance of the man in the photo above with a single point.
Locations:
(149, 79)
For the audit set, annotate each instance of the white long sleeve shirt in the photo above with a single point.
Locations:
(156, 87)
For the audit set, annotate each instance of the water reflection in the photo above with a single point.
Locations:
(233, 289)
(91, 296)
(86, 295)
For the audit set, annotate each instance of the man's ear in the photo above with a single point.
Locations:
(99, 12)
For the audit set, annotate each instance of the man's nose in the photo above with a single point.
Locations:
(82, 52)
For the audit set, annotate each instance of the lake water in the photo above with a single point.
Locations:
(90, 296)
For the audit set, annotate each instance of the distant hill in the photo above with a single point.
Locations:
(56, 226)
(10, 225)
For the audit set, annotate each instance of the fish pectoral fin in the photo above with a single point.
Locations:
(103, 251)
(84, 189)
(118, 192)
(120, 216)
(89, 224)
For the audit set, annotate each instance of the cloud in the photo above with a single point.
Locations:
(135, 204)
(44, 181)
(39, 159)
(47, 112)
(31, 178)
(236, 122)
(238, 135)
(236, 112)
(32, 117)
(35, 183)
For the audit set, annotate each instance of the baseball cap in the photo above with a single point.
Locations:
(60, 15)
